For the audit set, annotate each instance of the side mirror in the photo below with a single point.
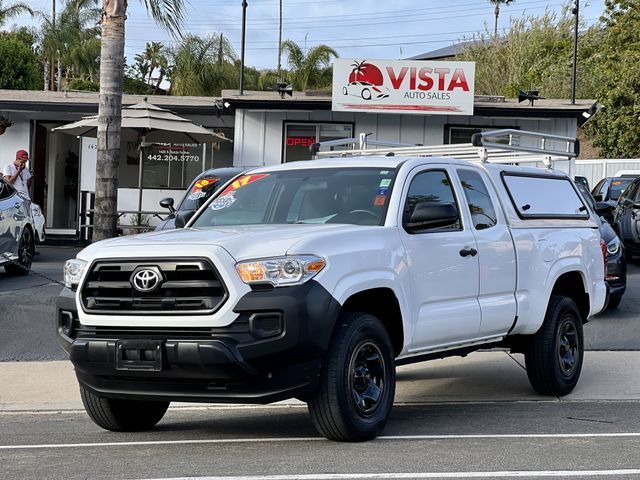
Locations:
(597, 198)
(182, 218)
(168, 204)
(603, 208)
(432, 215)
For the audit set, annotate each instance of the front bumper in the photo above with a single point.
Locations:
(272, 351)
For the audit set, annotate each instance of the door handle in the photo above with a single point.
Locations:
(465, 252)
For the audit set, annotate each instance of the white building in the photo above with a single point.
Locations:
(265, 129)
(270, 130)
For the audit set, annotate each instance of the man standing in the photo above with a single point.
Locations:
(18, 174)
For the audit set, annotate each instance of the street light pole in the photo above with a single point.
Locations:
(576, 12)
(280, 43)
(244, 32)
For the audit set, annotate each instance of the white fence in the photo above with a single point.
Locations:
(595, 170)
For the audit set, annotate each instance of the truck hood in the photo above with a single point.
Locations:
(242, 242)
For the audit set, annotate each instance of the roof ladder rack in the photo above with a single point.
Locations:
(495, 146)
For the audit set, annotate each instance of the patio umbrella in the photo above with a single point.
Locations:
(147, 123)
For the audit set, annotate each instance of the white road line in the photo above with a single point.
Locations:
(320, 439)
(421, 475)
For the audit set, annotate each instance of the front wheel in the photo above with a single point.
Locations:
(122, 415)
(554, 355)
(26, 249)
(357, 382)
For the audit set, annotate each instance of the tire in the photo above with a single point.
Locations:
(345, 91)
(366, 94)
(122, 415)
(360, 359)
(555, 353)
(614, 302)
(26, 250)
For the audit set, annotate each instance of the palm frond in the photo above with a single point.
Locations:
(169, 14)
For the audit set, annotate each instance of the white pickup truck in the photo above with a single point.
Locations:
(316, 279)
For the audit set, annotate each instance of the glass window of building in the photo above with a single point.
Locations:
(298, 137)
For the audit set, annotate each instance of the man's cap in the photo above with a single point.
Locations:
(22, 155)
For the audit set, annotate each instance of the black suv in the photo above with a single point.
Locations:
(616, 276)
(626, 218)
(202, 187)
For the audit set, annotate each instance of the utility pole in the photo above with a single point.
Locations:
(280, 44)
(576, 12)
(244, 34)
(52, 73)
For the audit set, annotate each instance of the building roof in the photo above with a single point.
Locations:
(449, 51)
(87, 102)
(483, 105)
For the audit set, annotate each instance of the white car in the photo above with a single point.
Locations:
(17, 243)
(365, 90)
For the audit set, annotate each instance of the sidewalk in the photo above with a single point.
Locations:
(480, 377)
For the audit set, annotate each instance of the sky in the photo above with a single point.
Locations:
(362, 29)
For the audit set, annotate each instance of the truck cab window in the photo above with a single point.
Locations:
(432, 186)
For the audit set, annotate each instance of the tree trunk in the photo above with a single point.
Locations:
(497, 14)
(109, 119)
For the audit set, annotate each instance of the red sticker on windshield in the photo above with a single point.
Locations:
(204, 182)
(379, 201)
(243, 181)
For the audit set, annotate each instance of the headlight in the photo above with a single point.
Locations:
(73, 272)
(613, 246)
(280, 271)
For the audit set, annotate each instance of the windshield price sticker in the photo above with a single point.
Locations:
(379, 201)
(223, 201)
(243, 181)
(385, 182)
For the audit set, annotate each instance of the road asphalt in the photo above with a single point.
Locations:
(491, 376)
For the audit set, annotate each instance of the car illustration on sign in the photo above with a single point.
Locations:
(365, 90)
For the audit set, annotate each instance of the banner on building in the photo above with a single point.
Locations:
(403, 86)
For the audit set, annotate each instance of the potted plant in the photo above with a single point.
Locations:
(4, 124)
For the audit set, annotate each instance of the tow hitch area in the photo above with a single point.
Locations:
(143, 355)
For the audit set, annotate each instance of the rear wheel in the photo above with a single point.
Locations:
(122, 415)
(26, 249)
(554, 355)
(357, 382)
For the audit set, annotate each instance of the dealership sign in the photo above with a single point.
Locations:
(399, 86)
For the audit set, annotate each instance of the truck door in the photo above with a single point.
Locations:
(443, 266)
(496, 253)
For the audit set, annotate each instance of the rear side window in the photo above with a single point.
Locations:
(483, 214)
(544, 196)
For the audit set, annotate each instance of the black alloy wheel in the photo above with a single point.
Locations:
(568, 347)
(367, 372)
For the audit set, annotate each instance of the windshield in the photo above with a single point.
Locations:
(201, 190)
(357, 196)
(617, 187)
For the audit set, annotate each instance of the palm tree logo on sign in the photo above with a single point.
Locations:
(365, 81)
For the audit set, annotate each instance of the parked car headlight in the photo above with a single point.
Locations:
(73, 270)
(613, 246)
(280, 271)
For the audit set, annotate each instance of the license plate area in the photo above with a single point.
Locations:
(140, 355)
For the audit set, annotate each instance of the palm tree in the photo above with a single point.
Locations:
(12, 11)
(496, 12)
(202, 66)
(307, 69)
(169, 14)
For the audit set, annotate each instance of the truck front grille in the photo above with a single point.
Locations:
(191, 286)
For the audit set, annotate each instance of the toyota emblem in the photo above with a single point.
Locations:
(146, 279)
